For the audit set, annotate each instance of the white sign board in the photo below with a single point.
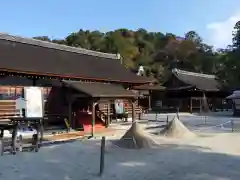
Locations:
(34, 102)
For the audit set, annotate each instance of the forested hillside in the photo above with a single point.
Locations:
(159, 52)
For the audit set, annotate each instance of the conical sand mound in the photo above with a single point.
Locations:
(135, 138)
(177, 129)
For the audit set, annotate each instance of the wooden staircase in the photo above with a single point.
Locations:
(103, 107)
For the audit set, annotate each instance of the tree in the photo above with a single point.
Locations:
(42, 38)
(236, 35)
(159, 52)
(194, 37)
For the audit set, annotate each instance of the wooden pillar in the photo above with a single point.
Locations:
(200, 102)
(2, 141)
(191, 105)
(108, 113)
(214, 105)
(70, 100)
(41, 130)
(14, 138)
(37, 137)
(34, 81)
(133, 113)
(150, 101)
(70, 113)
(93, 117)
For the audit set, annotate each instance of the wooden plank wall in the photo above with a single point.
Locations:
(8, 109)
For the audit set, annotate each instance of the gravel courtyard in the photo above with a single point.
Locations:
(210, 155)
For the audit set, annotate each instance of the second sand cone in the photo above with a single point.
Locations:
(176, 129)
(135, 138)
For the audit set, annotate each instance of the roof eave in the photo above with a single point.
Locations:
(113, 96)
(68, 77)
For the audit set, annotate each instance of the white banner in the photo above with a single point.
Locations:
(34, 102)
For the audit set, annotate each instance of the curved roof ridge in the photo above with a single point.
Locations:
(175, 70)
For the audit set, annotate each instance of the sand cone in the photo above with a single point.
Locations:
(135, 138)
(176, 129)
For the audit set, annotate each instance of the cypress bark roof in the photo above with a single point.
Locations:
(148, 87)
(35, 57)
(100, 90)
(200, 81)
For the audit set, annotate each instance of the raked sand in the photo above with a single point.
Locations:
(208, 156)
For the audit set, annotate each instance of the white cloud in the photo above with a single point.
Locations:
(221, 32)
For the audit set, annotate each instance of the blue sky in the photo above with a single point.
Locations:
(212, 19)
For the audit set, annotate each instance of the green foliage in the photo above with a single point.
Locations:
(159, 52)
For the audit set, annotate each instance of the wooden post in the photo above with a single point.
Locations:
(178, 113)
(133, 113)
(14, 138)
(180, 104)
(200, 102)
(37, 139)
(41, 131)
(102, 154)
(93, 117)
(2, 141)
(149, 101)
(20, 143)
(108, 113)
(34, 81)
(190, 104)
(70, 113)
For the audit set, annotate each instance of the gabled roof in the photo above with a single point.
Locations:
(100, 90)
(200, 81)
(50, 45)
(35, 57)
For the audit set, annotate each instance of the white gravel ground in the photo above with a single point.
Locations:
(213, 155)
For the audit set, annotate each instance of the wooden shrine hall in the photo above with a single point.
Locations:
(84, 96)
(98, 76)
(185, 90)
(145, 94)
